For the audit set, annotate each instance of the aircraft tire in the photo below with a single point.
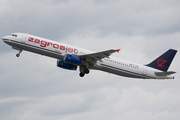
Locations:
(17, 55)
(86, 71)
(81, 74)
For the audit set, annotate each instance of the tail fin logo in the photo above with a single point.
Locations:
(161, 63)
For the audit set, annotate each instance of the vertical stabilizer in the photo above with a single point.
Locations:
(164, 61)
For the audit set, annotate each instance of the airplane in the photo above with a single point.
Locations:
(70, 57)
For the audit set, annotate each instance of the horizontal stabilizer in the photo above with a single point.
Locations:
(164, 73)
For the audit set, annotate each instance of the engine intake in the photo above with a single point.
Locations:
(66, 65)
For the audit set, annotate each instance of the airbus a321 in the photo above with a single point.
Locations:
(70, 57)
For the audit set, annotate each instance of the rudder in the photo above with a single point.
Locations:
(164, 61)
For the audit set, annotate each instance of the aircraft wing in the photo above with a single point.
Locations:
(94, 57)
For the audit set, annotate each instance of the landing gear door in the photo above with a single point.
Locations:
(24, 38)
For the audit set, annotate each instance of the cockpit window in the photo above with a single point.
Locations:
(14, 35)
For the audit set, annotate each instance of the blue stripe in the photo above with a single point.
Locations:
(5, 39)
(132, 73)
(36, 47)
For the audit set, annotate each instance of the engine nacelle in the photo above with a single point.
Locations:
(72, 59)
(66, 65)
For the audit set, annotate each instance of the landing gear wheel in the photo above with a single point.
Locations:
(81, 74)
(86, 71)
(17, 55)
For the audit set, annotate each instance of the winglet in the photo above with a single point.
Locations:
(118, 50)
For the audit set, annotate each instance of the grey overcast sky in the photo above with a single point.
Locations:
(33, 88)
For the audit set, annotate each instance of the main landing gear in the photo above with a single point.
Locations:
(81, 74)
(18, 54)
(83, 70)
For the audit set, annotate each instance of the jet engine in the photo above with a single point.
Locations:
(72, 59)
(66, 65)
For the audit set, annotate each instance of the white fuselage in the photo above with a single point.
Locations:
(58, 50)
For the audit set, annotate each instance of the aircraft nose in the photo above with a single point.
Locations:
(5, 39)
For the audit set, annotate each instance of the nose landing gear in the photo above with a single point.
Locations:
(18, 54)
